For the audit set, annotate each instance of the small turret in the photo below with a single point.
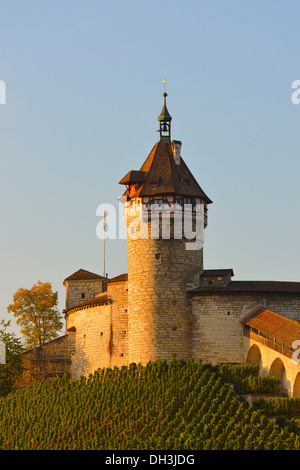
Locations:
(164, 120)
(82, 286)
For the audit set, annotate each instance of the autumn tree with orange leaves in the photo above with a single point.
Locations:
(37, 314)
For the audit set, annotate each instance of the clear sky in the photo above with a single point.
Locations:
(84, 84)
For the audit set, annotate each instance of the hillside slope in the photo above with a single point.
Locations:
(171, 406)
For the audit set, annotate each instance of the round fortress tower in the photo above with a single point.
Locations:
(164, 207)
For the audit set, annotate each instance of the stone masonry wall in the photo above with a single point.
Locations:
(100, 333)
(80, 291)
(52, 358)
(217, 330)
(160, 271)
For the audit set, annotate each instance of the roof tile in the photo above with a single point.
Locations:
(271, 323)
(160, 167)
(250, 286)
(82, 274)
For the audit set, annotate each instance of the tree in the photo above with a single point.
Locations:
(13, 368)
(36, 312)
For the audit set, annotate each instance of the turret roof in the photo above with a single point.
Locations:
(164, 115)
(273, 324)
(170, 178)
(82, 274)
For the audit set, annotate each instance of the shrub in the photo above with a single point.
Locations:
(279, 406)
(234, 372)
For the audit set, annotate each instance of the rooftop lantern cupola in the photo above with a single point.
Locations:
(164, 120)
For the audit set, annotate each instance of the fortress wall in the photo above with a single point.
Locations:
(98, 334)
(284, 304)
(217, 330)
(118, 292)
(92, 333)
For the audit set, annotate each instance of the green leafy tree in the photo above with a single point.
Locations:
(13, 368)
(36, 312)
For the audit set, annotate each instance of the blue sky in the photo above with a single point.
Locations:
(83, 93)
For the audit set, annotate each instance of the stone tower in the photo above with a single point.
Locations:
(82, 286)
(161, 265)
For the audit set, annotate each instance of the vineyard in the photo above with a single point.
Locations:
(171, 406)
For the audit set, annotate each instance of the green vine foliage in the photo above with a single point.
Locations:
(170, 406)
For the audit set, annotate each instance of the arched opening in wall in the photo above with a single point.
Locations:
(254, 356)
(277, 371)
(296, 388)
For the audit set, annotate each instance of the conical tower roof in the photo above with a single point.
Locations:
(164, 115)
(164, 171)
(169, 178)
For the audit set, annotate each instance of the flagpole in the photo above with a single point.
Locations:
(104, 257)
(104, 227)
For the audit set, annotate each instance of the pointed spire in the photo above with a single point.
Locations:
(164, 120)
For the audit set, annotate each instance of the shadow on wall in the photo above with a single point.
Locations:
(80, 365)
